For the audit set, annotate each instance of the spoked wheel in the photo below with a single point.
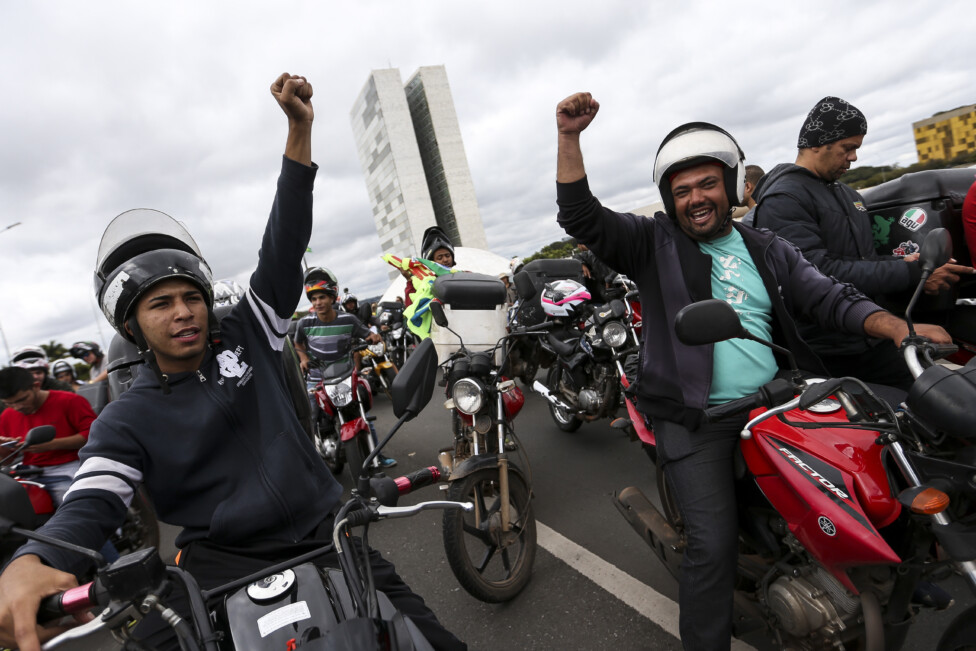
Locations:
(491, 564)
(564, 420)
(327, 445)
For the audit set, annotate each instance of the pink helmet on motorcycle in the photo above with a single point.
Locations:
(563, 298)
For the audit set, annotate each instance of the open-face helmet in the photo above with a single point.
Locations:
(563, 297)
(62, 366)
(28, 354)
(434, 238)
(695, 143)
(320, 279)
(139, 249)
(81, 348)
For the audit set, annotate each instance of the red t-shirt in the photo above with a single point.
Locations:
(969, 221)
(68, 412)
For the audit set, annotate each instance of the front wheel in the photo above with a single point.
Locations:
(564, 420)
(389, 373)
(491, 564)
(327, 444)
(357, 449)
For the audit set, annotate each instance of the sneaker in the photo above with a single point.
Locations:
(385, 461)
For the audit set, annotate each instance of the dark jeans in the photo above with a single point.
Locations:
(213, 565)
(698, 466)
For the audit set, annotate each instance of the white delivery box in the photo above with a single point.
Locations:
(480, 330)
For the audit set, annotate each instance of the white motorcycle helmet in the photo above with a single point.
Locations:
(563, 298)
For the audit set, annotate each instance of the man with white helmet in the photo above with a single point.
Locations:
(34, 359)
(695, 252)
(208, 426)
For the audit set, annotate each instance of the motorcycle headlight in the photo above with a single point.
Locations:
(377, 349)
(468, 396)
(615, 334)
(384, 318)
(397, 333)
(340, 394)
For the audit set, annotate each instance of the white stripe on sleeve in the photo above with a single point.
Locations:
(271, 323)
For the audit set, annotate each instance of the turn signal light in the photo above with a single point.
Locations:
(929, 502)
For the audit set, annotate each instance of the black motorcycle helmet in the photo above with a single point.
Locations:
(81, 348)
(695, 143)
(435, 238)
(139, 249)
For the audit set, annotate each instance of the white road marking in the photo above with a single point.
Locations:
(642, 598)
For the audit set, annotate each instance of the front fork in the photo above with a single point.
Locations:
(505, 504)
(966, 568)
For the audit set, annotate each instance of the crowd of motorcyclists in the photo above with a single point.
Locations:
(815, 292)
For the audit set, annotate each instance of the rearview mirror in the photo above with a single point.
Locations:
(39, 434)
(437, 313)
(413, 385)
(707, 322)
(524, 286)
(936, 250)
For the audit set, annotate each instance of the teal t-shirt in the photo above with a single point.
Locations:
(739, 367)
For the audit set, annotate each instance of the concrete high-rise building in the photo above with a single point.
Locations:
(410, 148)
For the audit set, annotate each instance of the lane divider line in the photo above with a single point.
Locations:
(645, 600)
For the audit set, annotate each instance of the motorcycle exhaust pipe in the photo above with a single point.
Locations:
(652, 526)
(544, 391)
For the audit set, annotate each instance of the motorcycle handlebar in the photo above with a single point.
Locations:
(69, 602)
(545, 325)
(387, 490)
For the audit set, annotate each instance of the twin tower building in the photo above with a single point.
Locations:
(410, 148)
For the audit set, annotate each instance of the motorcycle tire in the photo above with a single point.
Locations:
(489, 564)
(356, 452)
(564, 421)
(329, 446)
(388, 375)
(961, 633)
(140, 528)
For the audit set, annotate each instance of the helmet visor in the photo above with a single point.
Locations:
(137, 231)
(695, 144)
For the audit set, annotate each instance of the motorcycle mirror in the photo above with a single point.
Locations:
(15, 505)
(819, 392)
(39, 434)
(524, 286)
(707, 322)
(413, 385)
(437, 312)
(936, 250)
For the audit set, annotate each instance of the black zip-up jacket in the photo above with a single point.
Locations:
(672, 272)
(830, 225)
(224, 455)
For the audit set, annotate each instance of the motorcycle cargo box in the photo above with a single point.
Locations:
(541, 272)
(470, 291)
(474, 305)
(905, 210)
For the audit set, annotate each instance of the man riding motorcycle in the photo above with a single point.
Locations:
(209, 428)
(694, 252)
(325, 335)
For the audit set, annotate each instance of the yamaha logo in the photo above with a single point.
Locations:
(826, 525)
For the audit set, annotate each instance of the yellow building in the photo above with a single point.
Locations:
(946, 134)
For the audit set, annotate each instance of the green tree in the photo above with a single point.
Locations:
(55, 350)
(558, 249)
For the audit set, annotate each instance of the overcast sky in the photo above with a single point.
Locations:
(109, 106)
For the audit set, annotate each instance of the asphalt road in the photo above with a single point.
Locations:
(595, 584)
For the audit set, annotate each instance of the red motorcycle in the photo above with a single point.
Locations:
(850, 511)
(342, 431)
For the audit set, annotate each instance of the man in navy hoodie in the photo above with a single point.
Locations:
(693, 253)
(208, 428)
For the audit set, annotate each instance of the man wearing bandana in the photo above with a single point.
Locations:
(805, 204)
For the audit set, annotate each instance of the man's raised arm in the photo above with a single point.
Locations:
(573, 115)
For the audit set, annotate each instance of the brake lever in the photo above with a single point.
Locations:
(384, 512)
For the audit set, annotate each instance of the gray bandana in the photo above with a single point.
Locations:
(831, 119)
